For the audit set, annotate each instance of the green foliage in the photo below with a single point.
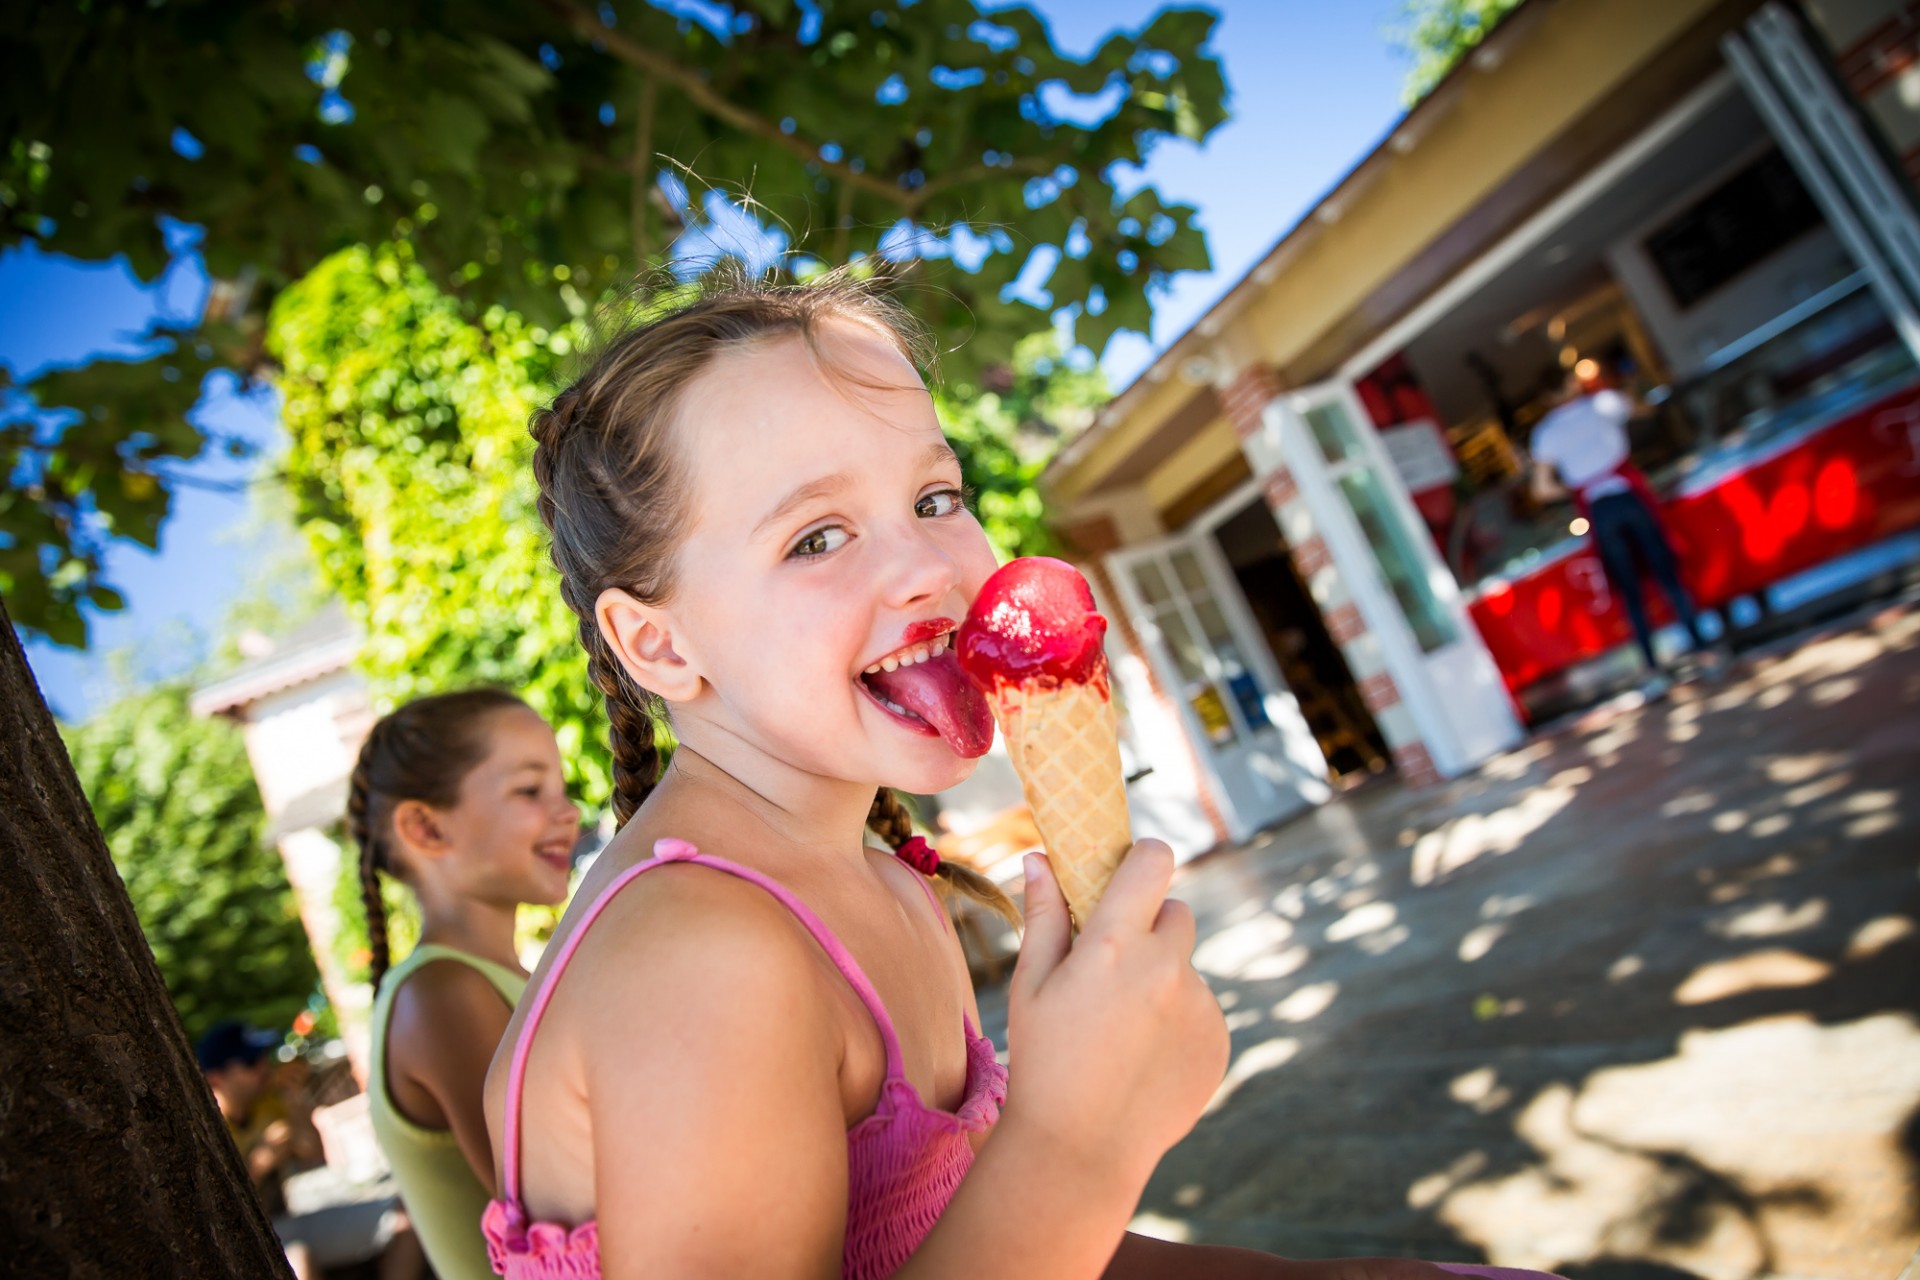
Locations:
(351, 949)
(1005, 428)
(408, 468)
(1438, 33)
(175, 796)
(520, 148)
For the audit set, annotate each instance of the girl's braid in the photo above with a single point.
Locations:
(892, 821)
(630, 726)
(630, 715)
(359, 826)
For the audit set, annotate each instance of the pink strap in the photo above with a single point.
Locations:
(926, 887)
(664, 852)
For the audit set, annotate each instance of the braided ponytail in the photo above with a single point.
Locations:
(370, 846)
(630, 727)
(891, 821)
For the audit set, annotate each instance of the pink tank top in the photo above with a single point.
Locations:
(904, 1161)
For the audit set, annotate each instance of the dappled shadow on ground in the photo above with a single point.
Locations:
(1640, 999)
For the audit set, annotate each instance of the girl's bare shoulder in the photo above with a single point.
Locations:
(686, 946)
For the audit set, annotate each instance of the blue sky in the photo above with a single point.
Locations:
(1315, 86)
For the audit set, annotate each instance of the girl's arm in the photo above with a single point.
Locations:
(1144, 1258)
(711, 1052)
(447, 1021)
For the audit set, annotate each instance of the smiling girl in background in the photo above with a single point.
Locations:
(461, 797)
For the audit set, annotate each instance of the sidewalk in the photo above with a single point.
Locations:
(1637, 1000)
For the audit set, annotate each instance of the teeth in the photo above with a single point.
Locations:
(907, 657)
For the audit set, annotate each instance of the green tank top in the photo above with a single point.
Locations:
(442, 1196)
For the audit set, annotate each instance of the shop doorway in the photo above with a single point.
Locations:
(1260, 759)
(1309, 660)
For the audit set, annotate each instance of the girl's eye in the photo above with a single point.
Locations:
(532, 792)
(819, 543)
(942, 502)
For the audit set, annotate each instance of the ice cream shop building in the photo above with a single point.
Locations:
(1309, 518)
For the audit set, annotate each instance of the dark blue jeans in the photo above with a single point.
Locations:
(1629, 539)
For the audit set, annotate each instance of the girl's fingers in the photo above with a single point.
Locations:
(1134, 895)
(1049, 931)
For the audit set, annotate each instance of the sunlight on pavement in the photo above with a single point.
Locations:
(1877, 935)
(1371, 918)
(1479, 941)
(1228, 953)
(1695, 1161)
(1306, 1003)
(1268, 1055)
(1770, 919)
(1770, 970)
(1456, 843)
(1480, 1089)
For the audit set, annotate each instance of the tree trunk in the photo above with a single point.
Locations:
(113, 1158)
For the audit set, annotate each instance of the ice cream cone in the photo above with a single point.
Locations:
(1065, 745)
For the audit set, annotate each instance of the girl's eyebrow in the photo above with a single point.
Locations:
(940, 452)
(937, 454)
(824, 487)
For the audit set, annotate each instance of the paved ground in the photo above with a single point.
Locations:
(1639, 1000)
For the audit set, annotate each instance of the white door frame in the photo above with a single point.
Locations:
(1460, 707)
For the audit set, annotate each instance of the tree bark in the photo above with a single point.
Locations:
(113, 1158)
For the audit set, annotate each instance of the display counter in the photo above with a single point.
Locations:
(1811, 449)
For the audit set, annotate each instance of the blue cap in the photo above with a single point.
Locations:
(231, 1041)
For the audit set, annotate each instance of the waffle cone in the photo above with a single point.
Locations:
(1065, 745)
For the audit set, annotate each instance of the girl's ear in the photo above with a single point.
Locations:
(420, 830)
(641, 637)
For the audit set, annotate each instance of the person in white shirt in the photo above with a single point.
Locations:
(1581, 448)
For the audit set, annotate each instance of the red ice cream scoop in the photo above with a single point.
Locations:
(1034, 621)
(1032, 642)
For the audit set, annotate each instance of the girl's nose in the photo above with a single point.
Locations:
(924, 572)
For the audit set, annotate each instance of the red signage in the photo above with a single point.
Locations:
(1844, 486)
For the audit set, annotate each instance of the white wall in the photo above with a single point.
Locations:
(306, 737)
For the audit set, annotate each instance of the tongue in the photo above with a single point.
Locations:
(937, 692)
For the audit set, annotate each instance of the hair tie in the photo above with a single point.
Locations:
(919, 855)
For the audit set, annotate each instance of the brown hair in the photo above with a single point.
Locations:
(422, 751)
(614, 494)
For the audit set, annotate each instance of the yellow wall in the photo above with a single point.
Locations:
(1576, 53)
(1196, 460)
(1161, 402)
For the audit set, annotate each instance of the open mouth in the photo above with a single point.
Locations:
(558, 859)
(905, 656)
(921, 687)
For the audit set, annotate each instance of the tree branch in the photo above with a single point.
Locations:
(642, 168)
(973, 173)
(587, 25)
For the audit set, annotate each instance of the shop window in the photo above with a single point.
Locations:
(1398, 559)
(1332, 432)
